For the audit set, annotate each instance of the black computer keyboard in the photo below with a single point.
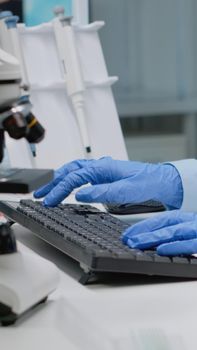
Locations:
(92, 237)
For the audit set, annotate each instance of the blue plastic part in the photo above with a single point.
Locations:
(11, 21)
(5, 14)
(24, 99)
(33, 149)
(37, 12)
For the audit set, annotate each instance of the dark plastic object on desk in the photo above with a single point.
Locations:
(7, 239)
(18, 180)
(129, 208)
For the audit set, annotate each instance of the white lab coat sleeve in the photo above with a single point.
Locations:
(188, 172)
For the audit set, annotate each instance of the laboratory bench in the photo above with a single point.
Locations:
(121, 312)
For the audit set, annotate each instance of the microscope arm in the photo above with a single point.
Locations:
(25, 279)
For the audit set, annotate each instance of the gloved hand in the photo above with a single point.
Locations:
(114, 181)
(173, 233)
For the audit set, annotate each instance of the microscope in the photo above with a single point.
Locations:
(25, 279)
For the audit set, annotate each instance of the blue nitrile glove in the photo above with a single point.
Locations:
(115, 181)
(173, 233)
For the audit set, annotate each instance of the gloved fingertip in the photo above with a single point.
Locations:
(136, 244)
(48, 202)
(37, 194)
(130, 243)
(162, 251)
(84, 195)
(124, 238)
(126, 235)
(45, 204)
(79, 197)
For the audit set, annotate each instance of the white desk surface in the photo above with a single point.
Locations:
(140, 313)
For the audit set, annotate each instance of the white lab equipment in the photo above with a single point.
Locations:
(80, 10)
(53, 105)
(25, 280)
(9, 70)
(4, 42)
(71, 71)
(16, 50)
(10, 42)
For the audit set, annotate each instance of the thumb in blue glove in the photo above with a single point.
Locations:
(172, 233)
